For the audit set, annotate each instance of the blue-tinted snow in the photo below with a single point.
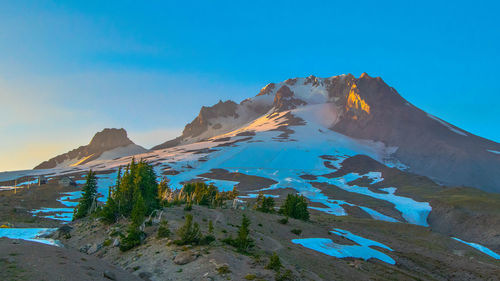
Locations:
(29, 234)
(62, 214)
(362, 250)
(412, 211)
(480, 248)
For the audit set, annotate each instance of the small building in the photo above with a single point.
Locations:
(42, 180)
(67, 182)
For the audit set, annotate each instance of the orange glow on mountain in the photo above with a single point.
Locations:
(355, 101)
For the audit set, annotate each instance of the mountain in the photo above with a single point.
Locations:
(364, 108)
(374, 169)
(105, 145)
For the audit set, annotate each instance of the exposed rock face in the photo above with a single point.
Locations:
(284, 100)
(105, 141)
(366, 108)
(200, 123)
(427, 145)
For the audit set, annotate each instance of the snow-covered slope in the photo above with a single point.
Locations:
(363, 108)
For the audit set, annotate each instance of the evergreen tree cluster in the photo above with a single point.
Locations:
(295, 206)
(135, 194)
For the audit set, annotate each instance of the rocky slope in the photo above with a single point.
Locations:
(105, 145)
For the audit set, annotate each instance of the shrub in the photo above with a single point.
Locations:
(206, 240)
(296, 231)
(163, 230)
(274, 263)
(223, 269)
(210, 227)
(295, 206)
(189, 233)
(286, 276)
(283, 220)
(132, 239)
(250, 277)
(264, 204)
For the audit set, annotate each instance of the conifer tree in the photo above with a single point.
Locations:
(189, 233)
(139, 209)
(243, 242)
(89, 197)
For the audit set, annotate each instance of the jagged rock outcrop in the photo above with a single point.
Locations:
(107, 144)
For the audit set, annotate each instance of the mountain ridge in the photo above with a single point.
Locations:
(365, 108)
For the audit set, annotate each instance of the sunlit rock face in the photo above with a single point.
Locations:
(107, 144)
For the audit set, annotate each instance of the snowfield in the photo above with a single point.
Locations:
(275, 146)
(363, 250)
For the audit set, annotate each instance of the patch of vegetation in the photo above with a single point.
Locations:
(133, 238)
(198, 193)
(285, 276)
(189, 233)
(274, 263)
(283, 220)
(223, 269)
(250, 277)
(242, 242)
(295, 206)
(264, 204)
(163, 230)
(296, 231)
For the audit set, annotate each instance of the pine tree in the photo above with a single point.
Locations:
(139, 209)
(274, 263)
(243, 242)
(189, 233)
(89, 198)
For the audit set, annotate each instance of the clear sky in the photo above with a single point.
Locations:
(69, 69)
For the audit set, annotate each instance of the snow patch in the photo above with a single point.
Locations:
(362, 250)
(447, 125)
(480, 248)
(30, 234)
(493, 151)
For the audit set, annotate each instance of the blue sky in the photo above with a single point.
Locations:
(69, 69)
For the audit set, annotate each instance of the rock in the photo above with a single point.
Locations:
(184, 258)
(145, 276)
(94, 248)
(64, 230)
(116, 243)
(84, 249)
(19, 209)
(108, 274)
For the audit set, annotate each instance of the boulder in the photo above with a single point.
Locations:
(184, 258)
